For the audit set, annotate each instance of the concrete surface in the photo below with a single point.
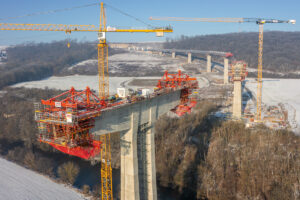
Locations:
(135, 122)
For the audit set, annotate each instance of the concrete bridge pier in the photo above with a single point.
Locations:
(189, 58)
(135, 123)
(138, 171)
(237, 100)
(173, 54)
(129, 161)
(208, 65)
(225, 71)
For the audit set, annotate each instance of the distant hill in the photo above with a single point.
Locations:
(35, 61)
(281, 49)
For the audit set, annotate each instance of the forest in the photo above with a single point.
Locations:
(281, 49)
(197, 155)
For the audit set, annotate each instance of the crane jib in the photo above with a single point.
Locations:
(78, 28)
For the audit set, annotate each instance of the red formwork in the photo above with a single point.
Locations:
(85, 152)
(183, 82)
(65, 122)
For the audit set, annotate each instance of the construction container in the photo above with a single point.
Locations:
(145, 92)
(122, 92)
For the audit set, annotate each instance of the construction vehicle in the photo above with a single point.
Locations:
(260, 22)
(106, 171)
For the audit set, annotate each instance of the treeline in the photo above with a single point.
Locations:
(250, 164)
(181, 144)
(206, 159)
(281, 49)
(35, 61)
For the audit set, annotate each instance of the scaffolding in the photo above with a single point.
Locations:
(238, 71)
(65, 122)
(183, 82)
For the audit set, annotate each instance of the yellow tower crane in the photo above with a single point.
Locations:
(258, 21)
(106, 170)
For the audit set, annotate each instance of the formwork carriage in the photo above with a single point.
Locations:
(65, 122)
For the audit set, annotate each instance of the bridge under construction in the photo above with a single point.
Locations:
(73, 121)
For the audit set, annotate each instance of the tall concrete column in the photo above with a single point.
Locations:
(225, 71)
(129, 161)
(150, 149)
(237, 100)
(135, 123)
(173, 54)
(146, 158)
(208, 67)
(189, 57)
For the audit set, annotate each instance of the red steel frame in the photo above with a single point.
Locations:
(66, 121)
(186, 84)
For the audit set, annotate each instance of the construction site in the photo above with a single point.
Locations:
(79, 122)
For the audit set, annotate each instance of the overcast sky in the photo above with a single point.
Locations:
(143, 9)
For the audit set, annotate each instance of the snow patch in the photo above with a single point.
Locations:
(84, 63)
(19, 183)
(79, 82)
(284, 91)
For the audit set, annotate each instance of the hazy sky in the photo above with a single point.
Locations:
(143, 9)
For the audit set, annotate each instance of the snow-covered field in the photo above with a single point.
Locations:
(19, 183)
(276, 91)
(79, 82)
(140, 62)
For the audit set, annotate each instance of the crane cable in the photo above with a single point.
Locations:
(128, 15)
(51, 11)
(77, 7)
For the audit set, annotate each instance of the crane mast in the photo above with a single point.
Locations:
(106, 170)
(260, 22)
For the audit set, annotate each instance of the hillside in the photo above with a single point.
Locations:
(35, 61)
(20, 183)
(281, 49)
